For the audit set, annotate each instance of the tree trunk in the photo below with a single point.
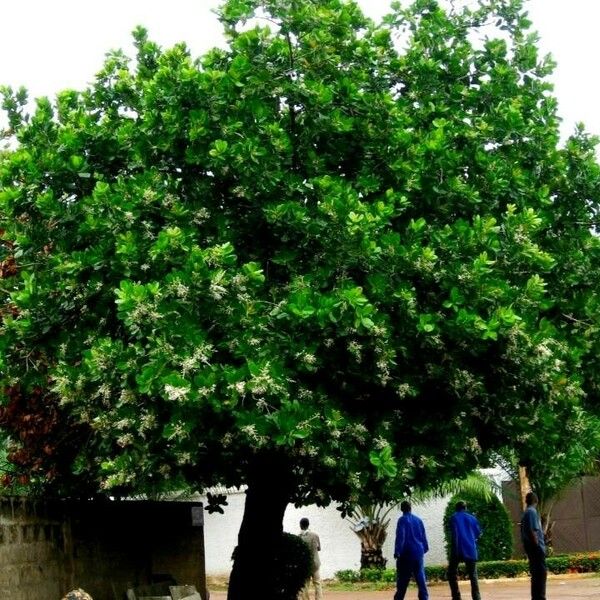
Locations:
(267, 496)
(372, 558)
(524, 484)
(545, 510)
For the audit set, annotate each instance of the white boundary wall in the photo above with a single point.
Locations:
(340, 546)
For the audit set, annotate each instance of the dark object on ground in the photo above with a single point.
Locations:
(77, 594)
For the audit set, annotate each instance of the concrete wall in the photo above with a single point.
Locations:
(48, 548)
(340, 547)
(31, 551)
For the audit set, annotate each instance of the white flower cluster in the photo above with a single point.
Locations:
(175, 393)
(383, 371)
(262, 405)
(123, 423)
(201, 215)
(178, 432)
(543, 351)
(118, 479)
(207, 390)
(125, 440)
(355, 349)
(179, 289)
(239, 281)
(127, 397)
(264, 383)
(147, 421)
(308, 450)
(404, 389)
(165, 471)
(62, 387)
(426, 261)
(379, 331)
(184, 458)
(251, 432)
(358, 432)
(149, 195)
(307, 358)
(466, 385)
(201, 356)
(354, 480)
(239, 387)
(473, 445)
(380, 443)
(304, 394)
(104, 391)
(216, 290)
(143, 312)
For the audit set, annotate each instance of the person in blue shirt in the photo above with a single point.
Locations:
(532, 536)
(411, 545)
(464, 533)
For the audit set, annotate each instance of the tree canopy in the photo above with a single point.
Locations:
(342, 257)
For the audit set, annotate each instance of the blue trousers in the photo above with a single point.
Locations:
(407, 567)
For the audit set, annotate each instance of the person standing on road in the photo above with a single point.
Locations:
(409, 550)
(464, 533)
(314, 545)
(534, 544)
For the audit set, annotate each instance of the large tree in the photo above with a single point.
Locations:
(314, 262)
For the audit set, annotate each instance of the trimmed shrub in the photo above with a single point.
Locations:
(348, 575)
(436, 572)
(494, 569)
(496, 542)
(575, 563)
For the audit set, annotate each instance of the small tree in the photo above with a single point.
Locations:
(370, 523)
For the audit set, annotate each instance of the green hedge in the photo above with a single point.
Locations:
(493, 569)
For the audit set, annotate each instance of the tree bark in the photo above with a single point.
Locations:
(524, 484)
(267, 496)
(372, 558)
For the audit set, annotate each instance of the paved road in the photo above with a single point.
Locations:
(568, 587)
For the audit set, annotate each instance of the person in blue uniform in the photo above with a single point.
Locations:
(534, 544)
(464, 533)
(409, 550)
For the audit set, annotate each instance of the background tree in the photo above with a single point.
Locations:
(559, 449)
(314, 262)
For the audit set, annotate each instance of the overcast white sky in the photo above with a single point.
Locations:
(48, 45)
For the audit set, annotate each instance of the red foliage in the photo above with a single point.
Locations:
(8, 267)
(46, 442)
(9, 309)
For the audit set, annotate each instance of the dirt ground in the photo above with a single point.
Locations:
(560, 587)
